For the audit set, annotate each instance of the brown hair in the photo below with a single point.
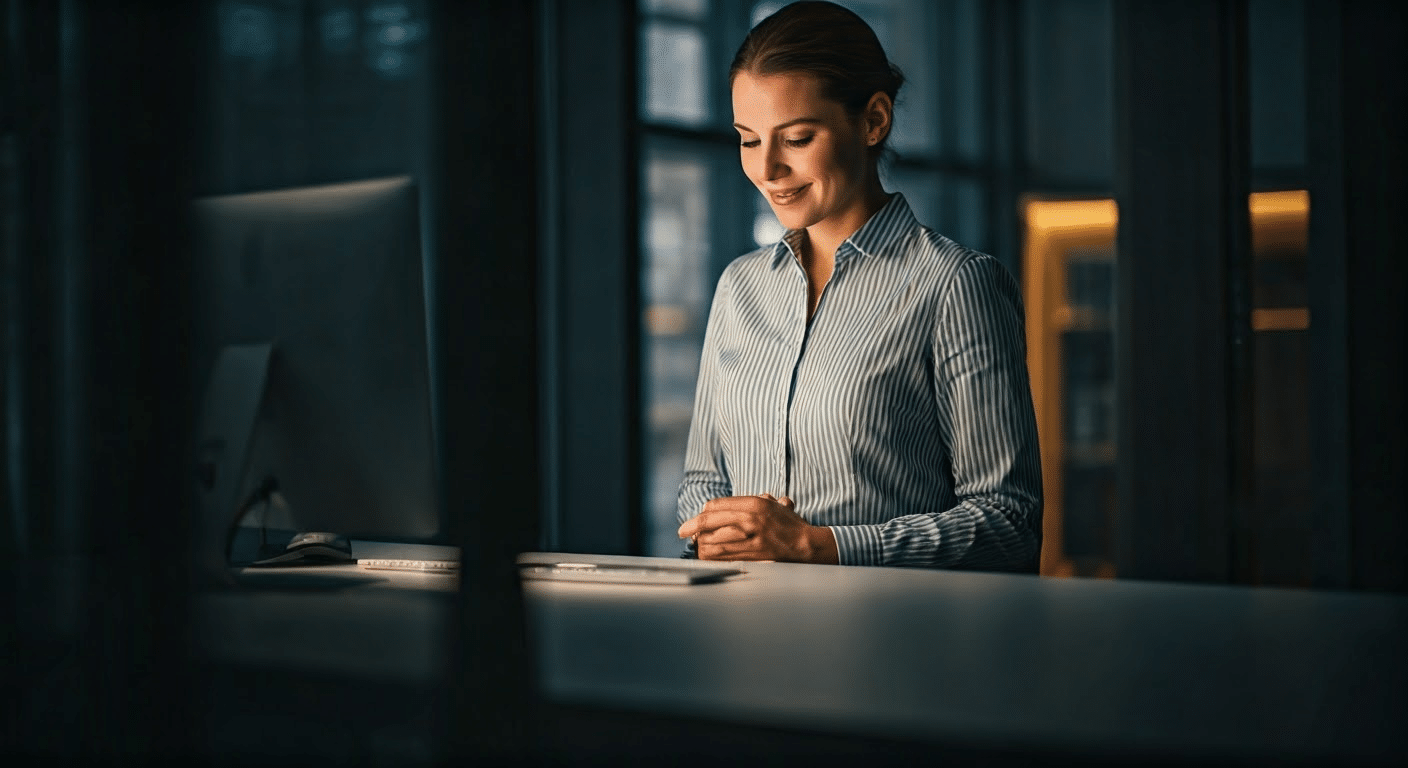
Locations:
(828, 42)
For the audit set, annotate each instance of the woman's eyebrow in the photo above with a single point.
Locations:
(787, 124)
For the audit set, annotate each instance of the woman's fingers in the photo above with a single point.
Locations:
(714, 519)
(734, 518)
(724, 535)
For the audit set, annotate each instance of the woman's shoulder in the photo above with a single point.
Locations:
(967, 276)
(945, 260)
(938, 251)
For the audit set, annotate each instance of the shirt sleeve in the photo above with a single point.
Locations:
(705, 471)
(987, 423)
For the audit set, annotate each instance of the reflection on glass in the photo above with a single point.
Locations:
(675, 73)
(675, 296)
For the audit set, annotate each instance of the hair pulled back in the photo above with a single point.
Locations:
(828, 42)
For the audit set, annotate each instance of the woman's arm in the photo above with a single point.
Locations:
(986, 421)
(705, 471)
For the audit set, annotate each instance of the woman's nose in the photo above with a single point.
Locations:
(773, 165)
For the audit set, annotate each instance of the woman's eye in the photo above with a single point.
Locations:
(753, 143)
(802, 142)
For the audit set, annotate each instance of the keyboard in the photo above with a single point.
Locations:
(429, 566)
(623, 574)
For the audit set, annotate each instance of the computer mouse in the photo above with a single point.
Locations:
(313, 547)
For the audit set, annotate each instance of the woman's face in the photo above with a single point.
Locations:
(801, 150)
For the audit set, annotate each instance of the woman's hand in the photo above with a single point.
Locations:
(758, 528)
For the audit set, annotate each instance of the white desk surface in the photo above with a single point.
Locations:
(1016, 660)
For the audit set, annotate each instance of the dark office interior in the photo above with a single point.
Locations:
(1203, 202)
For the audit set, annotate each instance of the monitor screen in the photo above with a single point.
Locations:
(330, 278)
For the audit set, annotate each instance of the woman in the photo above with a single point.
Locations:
(863, 393)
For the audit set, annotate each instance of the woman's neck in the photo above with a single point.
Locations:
(824, 237)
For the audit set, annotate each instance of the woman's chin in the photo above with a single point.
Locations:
(792, 219)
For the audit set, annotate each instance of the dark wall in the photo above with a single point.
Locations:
(1356, 99)
(97, 422)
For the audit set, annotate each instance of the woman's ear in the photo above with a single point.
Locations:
(877, 117)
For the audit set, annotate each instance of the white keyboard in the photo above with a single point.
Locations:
(623, 574)
(431, 566)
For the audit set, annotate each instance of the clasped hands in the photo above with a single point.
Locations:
(758, 527)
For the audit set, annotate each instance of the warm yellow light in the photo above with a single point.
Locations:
(1067, 215)
(1280, 220)
(1295, 202)
(1282, 319)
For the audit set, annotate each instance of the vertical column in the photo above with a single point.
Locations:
(1181, 341)
(40, 631)
(31, 366)
(125, 309)
(595, 364)
(483, 198)
(1358, 235)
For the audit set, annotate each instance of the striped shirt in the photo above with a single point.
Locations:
(901, 416)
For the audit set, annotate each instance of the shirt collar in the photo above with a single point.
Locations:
(889, 224)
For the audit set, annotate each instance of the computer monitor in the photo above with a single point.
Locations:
(310, 318)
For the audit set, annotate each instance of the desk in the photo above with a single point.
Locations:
(915, 656)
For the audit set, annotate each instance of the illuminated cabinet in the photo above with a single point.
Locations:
(1069, 273)
(1069, 266)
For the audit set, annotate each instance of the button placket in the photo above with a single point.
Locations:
(799, 341)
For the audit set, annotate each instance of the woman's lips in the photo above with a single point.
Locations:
(783, 198)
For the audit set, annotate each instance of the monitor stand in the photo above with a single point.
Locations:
(228, 414)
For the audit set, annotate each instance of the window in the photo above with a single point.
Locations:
(316, 91)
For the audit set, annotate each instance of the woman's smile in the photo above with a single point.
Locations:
(788, 196)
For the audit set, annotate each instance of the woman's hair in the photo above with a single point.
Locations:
(828, 42)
